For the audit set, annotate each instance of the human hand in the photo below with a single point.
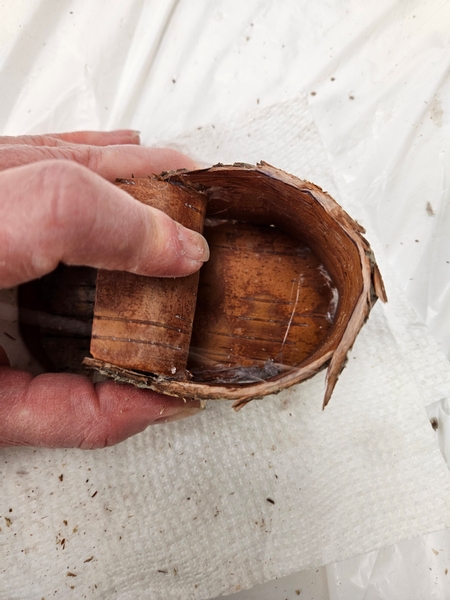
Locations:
(57, 205)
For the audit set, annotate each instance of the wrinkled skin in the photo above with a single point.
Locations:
(57, 205)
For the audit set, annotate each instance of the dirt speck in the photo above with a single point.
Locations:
(436, 112)
(434, 423)
(430, 210)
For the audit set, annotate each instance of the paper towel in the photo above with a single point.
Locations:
(224, 501)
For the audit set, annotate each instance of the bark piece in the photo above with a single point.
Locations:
(290, 282)
(146, 323)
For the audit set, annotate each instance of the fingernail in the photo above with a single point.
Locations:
(195, 247)
(125, 132)
(135, 134)
(132, 133)
(181, 414)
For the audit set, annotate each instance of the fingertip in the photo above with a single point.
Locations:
(193, 245)
(129, 132)
(130, 410)
(167, 248)
(129, 160)
(125, 136)
(180, 160)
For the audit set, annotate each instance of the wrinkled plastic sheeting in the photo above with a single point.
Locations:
(411, 569)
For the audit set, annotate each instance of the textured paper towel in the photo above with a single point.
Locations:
(182, 510)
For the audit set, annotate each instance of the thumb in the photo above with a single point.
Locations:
(59, 211)
(68, 411)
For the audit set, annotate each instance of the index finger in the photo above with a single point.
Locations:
(111, 162)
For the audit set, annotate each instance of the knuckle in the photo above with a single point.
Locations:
(35, 140)
(99, 434)
(65, 189)
(88, 156)
(95, 439)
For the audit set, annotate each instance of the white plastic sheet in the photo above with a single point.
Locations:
(376, 76)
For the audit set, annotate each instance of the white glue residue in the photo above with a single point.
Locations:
(334, 302)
